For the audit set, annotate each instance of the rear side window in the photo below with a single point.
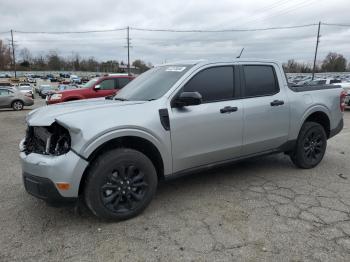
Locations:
(214, 84)
(123, 82)
(260, 80)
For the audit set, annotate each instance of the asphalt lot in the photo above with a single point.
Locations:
(258, 210)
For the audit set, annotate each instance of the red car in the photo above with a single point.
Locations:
(97, 87)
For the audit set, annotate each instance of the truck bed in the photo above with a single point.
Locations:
(304, 88)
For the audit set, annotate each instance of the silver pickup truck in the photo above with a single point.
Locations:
(172, 120)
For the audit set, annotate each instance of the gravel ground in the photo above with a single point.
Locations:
(257, 210)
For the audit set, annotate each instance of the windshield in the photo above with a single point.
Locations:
(91, 83)
(153, 84)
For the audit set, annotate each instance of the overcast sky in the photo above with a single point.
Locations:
(157, 47)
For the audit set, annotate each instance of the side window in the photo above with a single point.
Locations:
(123, 82)
(107, 84)
(4, 92)
(260, 80)
(214, 84)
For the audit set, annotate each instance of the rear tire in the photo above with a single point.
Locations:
(310, 147)
(17, 105)
(120, 184)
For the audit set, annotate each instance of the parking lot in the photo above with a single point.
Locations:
(261, 209)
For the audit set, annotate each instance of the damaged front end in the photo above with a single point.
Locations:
(47, 140)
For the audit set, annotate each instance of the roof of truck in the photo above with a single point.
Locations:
(226, 60)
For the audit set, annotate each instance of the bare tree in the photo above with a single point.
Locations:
(5, 56)
(26, 55)
(334, 63)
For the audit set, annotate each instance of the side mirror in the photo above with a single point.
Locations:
(97, 87)
(188, 99)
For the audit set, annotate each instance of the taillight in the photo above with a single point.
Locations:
(342, 100)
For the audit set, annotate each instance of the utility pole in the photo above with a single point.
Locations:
(128, 46)
(317, 41)
(13, 54)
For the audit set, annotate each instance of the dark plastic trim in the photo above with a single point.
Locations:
(164, 118)
(284, 148)
(45, 189)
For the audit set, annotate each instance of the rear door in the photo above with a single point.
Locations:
(266, 109)
(204, 134)
(122, 81)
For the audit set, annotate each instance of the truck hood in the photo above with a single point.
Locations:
(46, 115)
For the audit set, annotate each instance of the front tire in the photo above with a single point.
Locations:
(120, 184)
(310, 147)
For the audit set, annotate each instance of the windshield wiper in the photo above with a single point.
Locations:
(120, 99)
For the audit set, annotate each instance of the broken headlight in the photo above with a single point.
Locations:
(51, 140)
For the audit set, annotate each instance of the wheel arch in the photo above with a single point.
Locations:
(319, 115)
(131, 141)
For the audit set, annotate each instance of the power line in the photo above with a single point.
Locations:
(220, 30)
(175, 30)
(70, 32)
(285, 10)
(265, 12)
(344, 25)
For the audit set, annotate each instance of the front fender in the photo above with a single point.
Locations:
(163, 147)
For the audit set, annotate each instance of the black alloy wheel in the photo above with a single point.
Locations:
(120, 184)
(310, 146)
(124, 188)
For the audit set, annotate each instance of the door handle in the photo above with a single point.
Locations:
(277, 103)
(228, 109)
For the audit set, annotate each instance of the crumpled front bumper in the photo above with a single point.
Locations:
(67, 168)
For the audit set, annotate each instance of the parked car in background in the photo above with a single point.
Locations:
(64, 75)
(346, 87)
(85, 80)
(172, 120)
(31, 80)
(97, 87)
(26, 90)
(5, 75)
(46, 91)
(54, 79)
(75, 79)
(327, 81)
(39, 88)
(5, 83)
(12, 98)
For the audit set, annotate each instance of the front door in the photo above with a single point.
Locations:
(206, 133)
(107, 88)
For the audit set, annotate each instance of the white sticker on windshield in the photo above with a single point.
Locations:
(175, 68)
